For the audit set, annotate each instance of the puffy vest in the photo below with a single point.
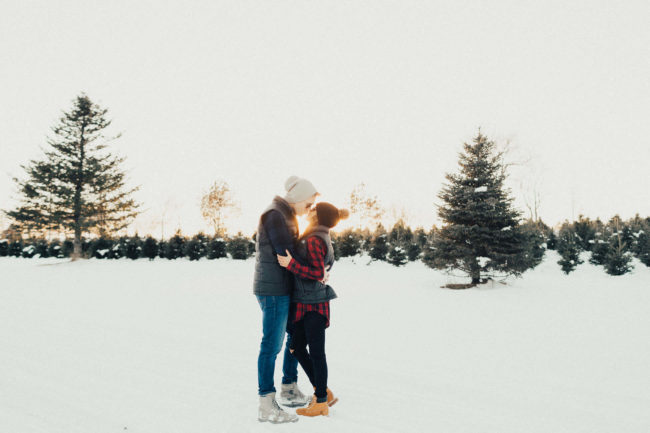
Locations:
(312, 291)
(270, 278)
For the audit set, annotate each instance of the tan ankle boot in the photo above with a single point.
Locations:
(315, 409)
(331, 400)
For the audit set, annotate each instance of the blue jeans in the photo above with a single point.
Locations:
(275, 311)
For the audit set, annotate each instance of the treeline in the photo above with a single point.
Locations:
(78, 189)
(402, 244)
(237, 247)
(398, 246)
(611, 245)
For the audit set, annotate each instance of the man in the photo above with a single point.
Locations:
(277, 232)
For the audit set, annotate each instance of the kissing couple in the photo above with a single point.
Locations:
(290, 283)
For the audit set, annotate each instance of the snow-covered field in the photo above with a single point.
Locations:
(171, 346)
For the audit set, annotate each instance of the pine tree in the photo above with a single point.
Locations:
(551, 240)
(335, 247)
(481, 231)
(100, 248)
(429, 252)
(67, 248)
(133, 247)
(216, 248)
(15, 248)
(119, 248)
(379, 243)
(239, 247)
(54, 249)
(174, 246)
(401, 236)
(29, 250)
(413, 252)
(568, 248)
(150, 248)
(38, 213)
(421, 237)
(642, 249)
(618, 260)
(585, 232)
(163, 245)
(349, 243)
(534, 234)
(600, 248)
(196, 247)
(78, 186)
(396, 256)
(366, 238)
(42, 249)
(418, 245)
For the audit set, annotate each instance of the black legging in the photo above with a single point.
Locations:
(310, 330)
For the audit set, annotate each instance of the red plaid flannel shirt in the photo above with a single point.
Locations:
(314, 270)
(322, 308)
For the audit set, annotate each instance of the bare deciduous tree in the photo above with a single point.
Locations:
(368, 209)
(215, 205)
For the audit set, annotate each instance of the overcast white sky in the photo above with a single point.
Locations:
(340, 92)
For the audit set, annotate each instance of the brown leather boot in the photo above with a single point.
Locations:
(331, 400)
(315, 409)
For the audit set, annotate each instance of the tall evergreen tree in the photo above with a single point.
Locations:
(481, 232)
(78, 186)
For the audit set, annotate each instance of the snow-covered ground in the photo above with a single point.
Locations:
(171, 346)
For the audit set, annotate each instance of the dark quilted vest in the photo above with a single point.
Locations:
(312, 291)
(270, 278)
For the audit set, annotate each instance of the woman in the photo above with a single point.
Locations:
(311, 296)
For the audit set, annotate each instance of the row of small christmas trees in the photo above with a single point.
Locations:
(397, 247)
(401, 244)
(611, 245)
(238, 247)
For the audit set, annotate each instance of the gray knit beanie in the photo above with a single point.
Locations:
(298, 189)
